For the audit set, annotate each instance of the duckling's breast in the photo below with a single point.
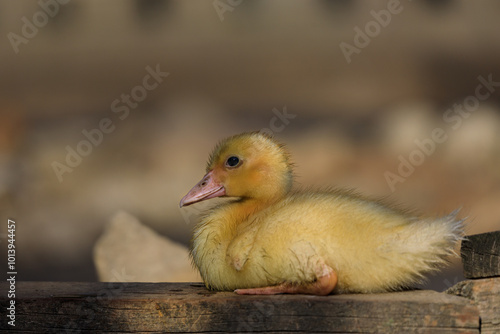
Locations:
(223, 250)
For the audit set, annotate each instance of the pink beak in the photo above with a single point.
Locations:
(205, 189)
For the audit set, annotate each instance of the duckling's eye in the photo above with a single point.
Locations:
(232, 161)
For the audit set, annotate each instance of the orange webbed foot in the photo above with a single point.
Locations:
(323, 286)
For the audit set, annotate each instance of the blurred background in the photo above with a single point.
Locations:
(349, 88)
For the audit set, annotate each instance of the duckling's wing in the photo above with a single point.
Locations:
(267, 249)
(240, 247)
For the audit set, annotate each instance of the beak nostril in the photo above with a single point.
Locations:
(206, 188)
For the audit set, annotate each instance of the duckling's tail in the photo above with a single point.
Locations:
(441, 235)
(424, 247)
(429, 242)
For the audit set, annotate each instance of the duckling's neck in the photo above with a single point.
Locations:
(246, 207)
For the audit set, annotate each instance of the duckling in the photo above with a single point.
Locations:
(270, 239)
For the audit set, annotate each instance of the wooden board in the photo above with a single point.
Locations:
(481, 255)
(485, 293)
(190, 308)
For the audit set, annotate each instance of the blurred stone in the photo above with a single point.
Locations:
(131, 252)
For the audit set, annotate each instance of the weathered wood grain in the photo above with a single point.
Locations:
(485, 293)
(92, 307)
(481, 255)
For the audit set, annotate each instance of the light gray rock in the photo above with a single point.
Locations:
(129, 251)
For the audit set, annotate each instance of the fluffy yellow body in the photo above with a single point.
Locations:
(370, 247)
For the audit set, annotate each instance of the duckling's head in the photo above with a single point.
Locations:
(249, 165)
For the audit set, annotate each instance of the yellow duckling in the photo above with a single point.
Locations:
(272, 240)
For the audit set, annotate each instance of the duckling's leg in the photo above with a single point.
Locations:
(324, 285)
